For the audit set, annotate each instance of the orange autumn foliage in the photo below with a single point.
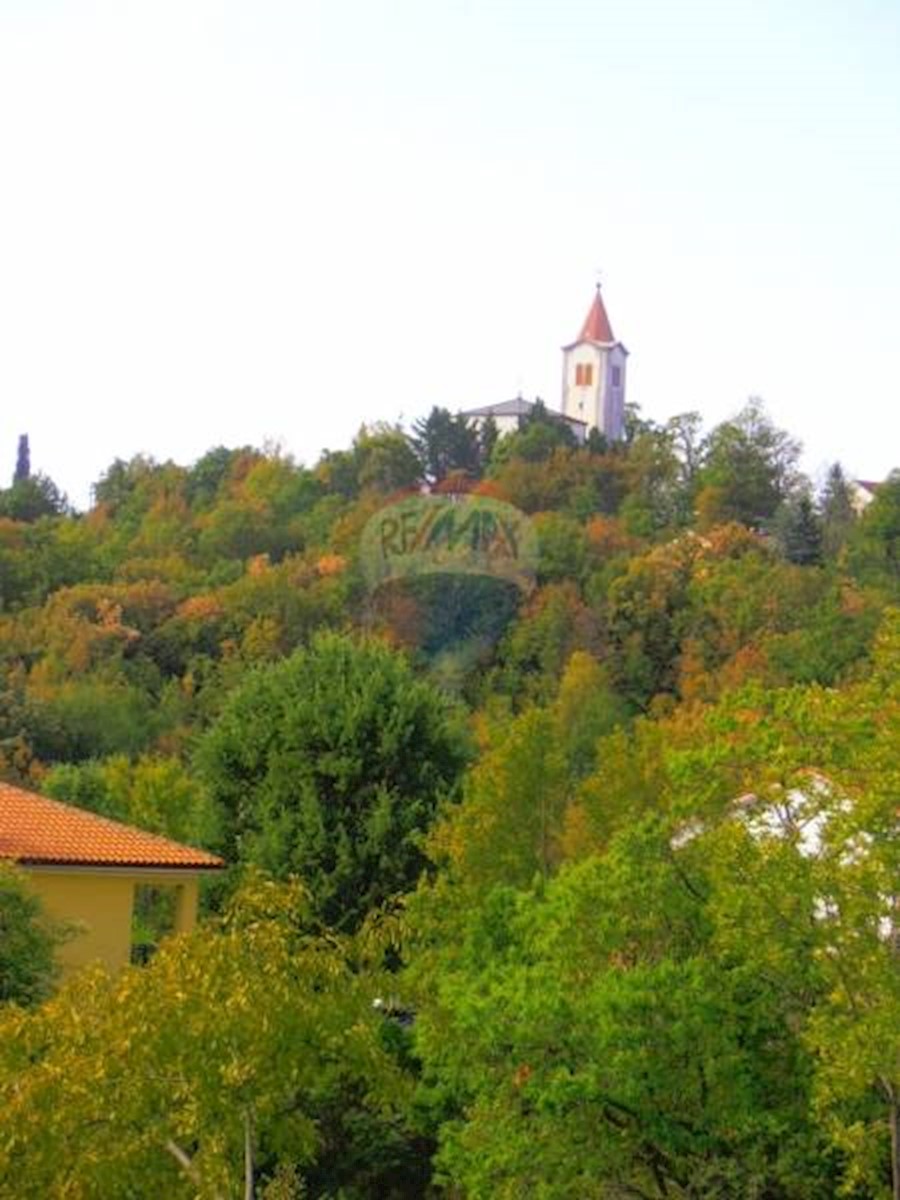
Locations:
(331, 564)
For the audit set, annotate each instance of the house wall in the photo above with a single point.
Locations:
(504, 424)
(100, 902)
(101, 906)
(860, 497)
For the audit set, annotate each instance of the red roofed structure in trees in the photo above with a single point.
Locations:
(85, 868)
(593, 387)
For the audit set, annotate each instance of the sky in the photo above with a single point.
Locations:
(262, 222)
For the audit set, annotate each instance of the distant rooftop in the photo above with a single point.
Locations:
(35, 830)
(520, 407)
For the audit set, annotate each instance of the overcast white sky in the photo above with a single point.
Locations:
(227, 222)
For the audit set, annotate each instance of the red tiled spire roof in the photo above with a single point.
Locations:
(596, 327)
(36, 831)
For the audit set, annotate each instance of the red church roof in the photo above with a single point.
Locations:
(37, 831)
(596, 327)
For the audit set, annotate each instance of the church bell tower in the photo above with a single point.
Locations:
(593, 387)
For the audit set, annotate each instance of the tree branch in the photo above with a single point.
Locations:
(186, 1163)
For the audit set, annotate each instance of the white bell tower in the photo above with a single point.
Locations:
(593, 388)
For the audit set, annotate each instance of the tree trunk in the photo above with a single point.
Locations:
(248, 1158)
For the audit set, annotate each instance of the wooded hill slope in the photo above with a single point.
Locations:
(589, 892)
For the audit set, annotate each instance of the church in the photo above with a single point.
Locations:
(593, 384)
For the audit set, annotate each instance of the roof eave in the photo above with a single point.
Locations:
(156, 868)
(599, 345)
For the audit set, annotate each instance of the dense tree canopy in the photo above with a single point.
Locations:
(251, 1045)
(31, 497)
(330, 765)
(875, 547)
(445, 443)
(582, 889)
(749, 468)
(697, 994)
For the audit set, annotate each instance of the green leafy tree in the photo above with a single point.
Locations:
(705, 1006)
(540, 433)
(445, 443)
(788, 799)
(562, 546)
(596, 1041)
(385, 460)
(659, 497)
(597, 442)
(28, 941)
(86, 718)
(799, 531)
(507, 827)
(835, 511)
(122, 480)
(488, 436)
(277, 482)
(244, 1052)
(208, 474)
(330, 765)
(635, 425)
(454, 620)
(338, 472)
(39, 556)
(685, 433)
(642, 612)
(155, 793)
(534, 652)
(586, 709)
(807, 886)
(32, 497)
(236, 528)
(874, 552)
(749, 468)
(510, 824)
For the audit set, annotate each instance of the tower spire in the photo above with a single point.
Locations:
(594, 374)
(596, 327)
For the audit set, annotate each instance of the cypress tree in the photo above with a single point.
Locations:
(23, 461)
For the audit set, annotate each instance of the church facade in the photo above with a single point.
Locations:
(593, 382)
(593, 385)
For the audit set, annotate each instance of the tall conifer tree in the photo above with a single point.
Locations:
(23, 460)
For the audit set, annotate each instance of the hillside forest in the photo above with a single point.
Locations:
(582, 891)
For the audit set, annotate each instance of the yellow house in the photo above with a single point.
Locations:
(85, 868)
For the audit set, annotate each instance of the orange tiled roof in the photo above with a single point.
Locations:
(596, 327)
(35, 830)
